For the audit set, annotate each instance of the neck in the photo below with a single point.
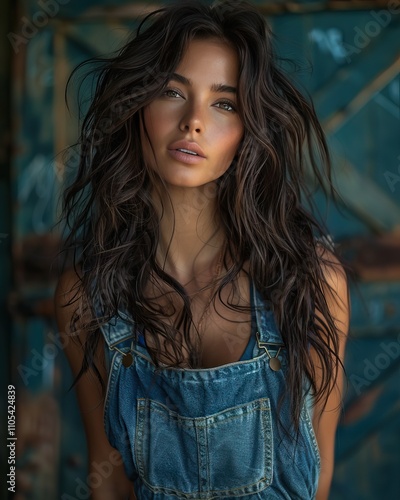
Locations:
(190, 238)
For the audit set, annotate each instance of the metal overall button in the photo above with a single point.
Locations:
(274, 361)
(127, 359)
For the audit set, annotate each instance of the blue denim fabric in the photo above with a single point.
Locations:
(208, 433)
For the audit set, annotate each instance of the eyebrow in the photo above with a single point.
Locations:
(215, 87)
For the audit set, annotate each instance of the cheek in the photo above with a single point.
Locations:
(158, 119)
(227, 145)
(151, 132)
(230, 139)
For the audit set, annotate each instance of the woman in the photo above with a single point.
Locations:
(210, 316)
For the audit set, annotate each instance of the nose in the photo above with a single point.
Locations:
(192, 119)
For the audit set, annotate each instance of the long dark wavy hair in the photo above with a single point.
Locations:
(113, 226)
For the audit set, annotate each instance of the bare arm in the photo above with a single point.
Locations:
(106, 462)
(325, 426)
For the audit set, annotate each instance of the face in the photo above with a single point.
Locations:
(193, 127)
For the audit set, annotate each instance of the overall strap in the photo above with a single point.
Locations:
(266, 324)
(119, 328)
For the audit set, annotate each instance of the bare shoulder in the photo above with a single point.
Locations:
(68, 305)
(335, 284)
(68, 302)
(327, 412)
(67, 291)
(332, 266)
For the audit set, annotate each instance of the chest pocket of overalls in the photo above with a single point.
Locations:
(215, 456)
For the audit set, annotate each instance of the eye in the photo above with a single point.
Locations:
(227, 106)
(171, 93)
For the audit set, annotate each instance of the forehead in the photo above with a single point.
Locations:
(210, 59)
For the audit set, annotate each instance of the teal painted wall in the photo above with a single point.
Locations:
(349, 62)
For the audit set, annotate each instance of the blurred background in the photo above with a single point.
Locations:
(347, 55)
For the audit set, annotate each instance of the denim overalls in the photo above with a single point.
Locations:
(207, 433)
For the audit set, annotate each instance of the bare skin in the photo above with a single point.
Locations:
(325, 420)
(199, 106)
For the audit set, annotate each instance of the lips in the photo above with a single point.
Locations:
(186, 158)
(187, 147)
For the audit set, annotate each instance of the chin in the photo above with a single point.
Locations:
(188, 180)
(185, 183)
